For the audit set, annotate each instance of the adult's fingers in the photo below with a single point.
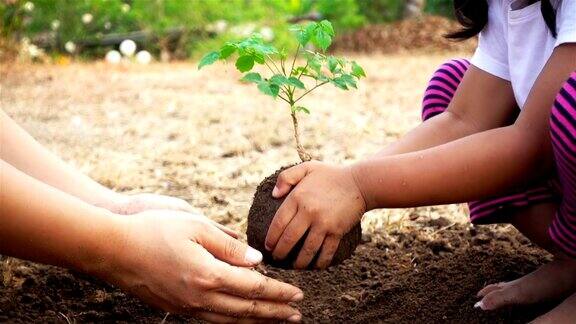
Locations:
(226, 230)
(281, 219)
(329, 248)
(289, 178)
(291, 235)
(490, 288)
(227, 248)
(239, 307)
(251, 284)
(311, 246)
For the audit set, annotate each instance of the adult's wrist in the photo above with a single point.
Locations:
(98, 254)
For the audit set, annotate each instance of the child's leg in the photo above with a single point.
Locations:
(554, 226)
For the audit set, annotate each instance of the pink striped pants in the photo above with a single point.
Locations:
(562, 189)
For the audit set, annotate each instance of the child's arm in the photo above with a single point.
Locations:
(19, 149)
(329, 200)
(173, 260)
(469, 112)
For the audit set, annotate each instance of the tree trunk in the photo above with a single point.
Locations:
(413, 8)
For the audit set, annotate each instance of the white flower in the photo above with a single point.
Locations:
(243, 30)
(34, 51)
(221, 25)
(29, 6)
(267, 33)
(107, 25)
(113, 57)
(70, 47)
(143, 57)
(55, 24)
(125, 7)
(87, 18)
(128, 47)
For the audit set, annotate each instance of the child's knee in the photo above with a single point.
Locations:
(442, 86)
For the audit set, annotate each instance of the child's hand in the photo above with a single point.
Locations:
(326, 202)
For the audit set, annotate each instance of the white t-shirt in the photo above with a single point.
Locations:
(516, 43)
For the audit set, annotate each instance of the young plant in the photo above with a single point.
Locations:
(286, 79)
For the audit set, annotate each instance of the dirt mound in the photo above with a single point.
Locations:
(425, 33)
(262, 213)
(424, 273)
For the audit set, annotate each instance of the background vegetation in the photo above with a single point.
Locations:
(180, 28)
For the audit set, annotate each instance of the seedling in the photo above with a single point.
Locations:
(287, 80)
(290, 82)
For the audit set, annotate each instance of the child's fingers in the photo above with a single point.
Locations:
(311, 246)
(498, 298)
(283, 216)
(291, 235)
(288, 178)
(329, 248)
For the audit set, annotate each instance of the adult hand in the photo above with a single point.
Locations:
(182, 263)
(132, 204)
(326, 202)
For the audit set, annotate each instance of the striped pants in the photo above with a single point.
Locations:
(562, 189)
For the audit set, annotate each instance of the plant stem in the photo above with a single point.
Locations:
(294, 60)
(307, 92)
(304, 156)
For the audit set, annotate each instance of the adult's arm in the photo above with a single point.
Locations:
(173, 260)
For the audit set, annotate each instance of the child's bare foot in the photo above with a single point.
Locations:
(563, 313)
(552, 281)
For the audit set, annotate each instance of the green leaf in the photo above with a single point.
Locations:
(268, 88)
(295, 83)
(340, 83)
(258, 58)
(332, 63)
(314, 64)
(303, 34)
(252, 77)
(227, 50)
(208, 59)
(245, 63)
(327, 27)
(322, 39)
(357, 70)
(300, 108)
(349, 80)
(278, 79)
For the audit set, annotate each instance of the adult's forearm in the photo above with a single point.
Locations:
(43, 224)
(470, 168)
(435, 131)
(20, 150)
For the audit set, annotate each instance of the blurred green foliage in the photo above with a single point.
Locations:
(203, 23)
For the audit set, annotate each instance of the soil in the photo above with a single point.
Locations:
(426, 34)
(260, 216)
(422, 274)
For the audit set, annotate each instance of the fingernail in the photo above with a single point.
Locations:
(295, 318)
(298, 296)
(253, 256)
(275, 191)
(267, 246)
(480, 305)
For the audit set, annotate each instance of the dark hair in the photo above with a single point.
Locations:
(473, 16)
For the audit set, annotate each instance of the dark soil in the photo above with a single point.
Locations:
(262, 211)
(426, 273)
(426, 33)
